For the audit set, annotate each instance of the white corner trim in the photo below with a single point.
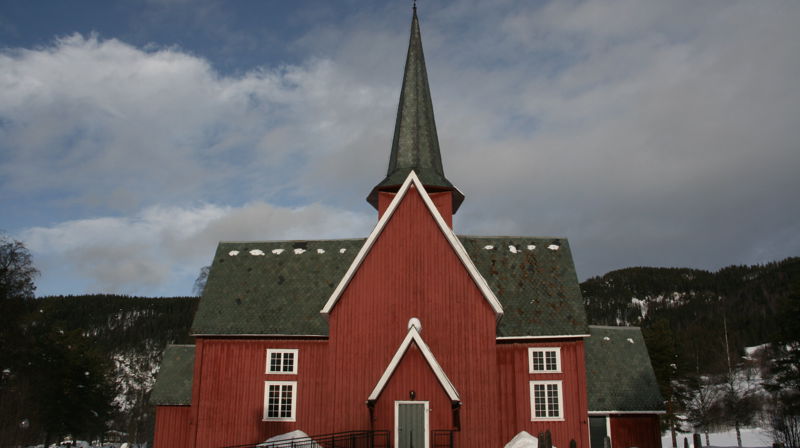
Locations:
(412, 179)
(414, 336)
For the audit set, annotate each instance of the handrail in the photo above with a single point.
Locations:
(351, 439)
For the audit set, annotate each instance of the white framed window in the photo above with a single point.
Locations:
(282, 361)
(280, 401)
(544, 359)
(547, 402)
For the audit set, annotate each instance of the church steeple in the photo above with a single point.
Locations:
(415, 145)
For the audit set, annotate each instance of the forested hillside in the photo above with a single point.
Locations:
(84, 365)
(697, 324)
(694, 306)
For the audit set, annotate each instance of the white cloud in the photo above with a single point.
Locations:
(115, 127)
(159, 246)
(657, 133)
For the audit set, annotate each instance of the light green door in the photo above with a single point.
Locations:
(411, 424)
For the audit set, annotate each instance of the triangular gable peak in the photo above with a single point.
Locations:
(414, 336)
(412, 181)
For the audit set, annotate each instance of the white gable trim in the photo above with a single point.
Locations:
(412, 179)
(413, 336)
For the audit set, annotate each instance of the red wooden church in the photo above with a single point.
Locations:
(414, 332)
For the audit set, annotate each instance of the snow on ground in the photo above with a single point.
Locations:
(751, 438)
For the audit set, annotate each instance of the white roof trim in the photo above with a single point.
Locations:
(413, 336)
(558, 336)
(412, 179)
(626, 412)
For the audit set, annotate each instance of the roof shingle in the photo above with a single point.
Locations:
(174, 383)
(618, 372)
(281, 289)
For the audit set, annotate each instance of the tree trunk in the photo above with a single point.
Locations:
(707, 442)
(738, 434)
(672, 423)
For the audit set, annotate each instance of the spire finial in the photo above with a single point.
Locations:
(414, 6)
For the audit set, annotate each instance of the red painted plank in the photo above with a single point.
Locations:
(172, 427)
(642, 431)
(411, 271)
(512, 361)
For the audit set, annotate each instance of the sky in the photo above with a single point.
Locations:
(135, 135)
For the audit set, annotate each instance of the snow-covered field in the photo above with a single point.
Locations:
(751, 437)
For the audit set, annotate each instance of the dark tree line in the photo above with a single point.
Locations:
(58, 355)
(696, 324)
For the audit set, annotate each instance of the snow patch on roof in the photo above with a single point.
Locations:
(233, 253)
(512, 249)
(299, 251)
(606, 338)
(342, 250)
(554, 247)
(488, 247)
(531, 247)
(257, 253)
(630, 340)
(320, 251)
(277, 251)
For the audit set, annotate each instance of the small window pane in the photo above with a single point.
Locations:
(551, 360)
(288, 362)
(538, 361)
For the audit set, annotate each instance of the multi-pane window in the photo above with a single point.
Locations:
(282, 361)
(543, 360)
(280, 400)
(546, 400)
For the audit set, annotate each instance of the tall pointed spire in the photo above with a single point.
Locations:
(415, 145)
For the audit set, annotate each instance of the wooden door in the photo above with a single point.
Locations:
(411, 424)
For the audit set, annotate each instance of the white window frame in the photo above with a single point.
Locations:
(545, 350)
(282, 351)
(560, 401)
(293, 415)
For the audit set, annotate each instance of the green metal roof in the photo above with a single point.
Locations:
(535, 280)
(282, 291)
(618, 372)
(174, 383)
(415, 145)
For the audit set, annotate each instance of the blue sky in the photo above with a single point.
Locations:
(136, 135)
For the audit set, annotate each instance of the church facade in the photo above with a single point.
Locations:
(414, 330)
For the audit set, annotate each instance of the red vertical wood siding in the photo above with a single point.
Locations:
(384, 199)
(172, 427)
(412, 271)
(642, 431)
(414, 373)
(512, 361)
(442, 200)
(229, 400)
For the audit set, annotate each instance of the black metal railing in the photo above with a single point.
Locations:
(442, 438)
(347, 439)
